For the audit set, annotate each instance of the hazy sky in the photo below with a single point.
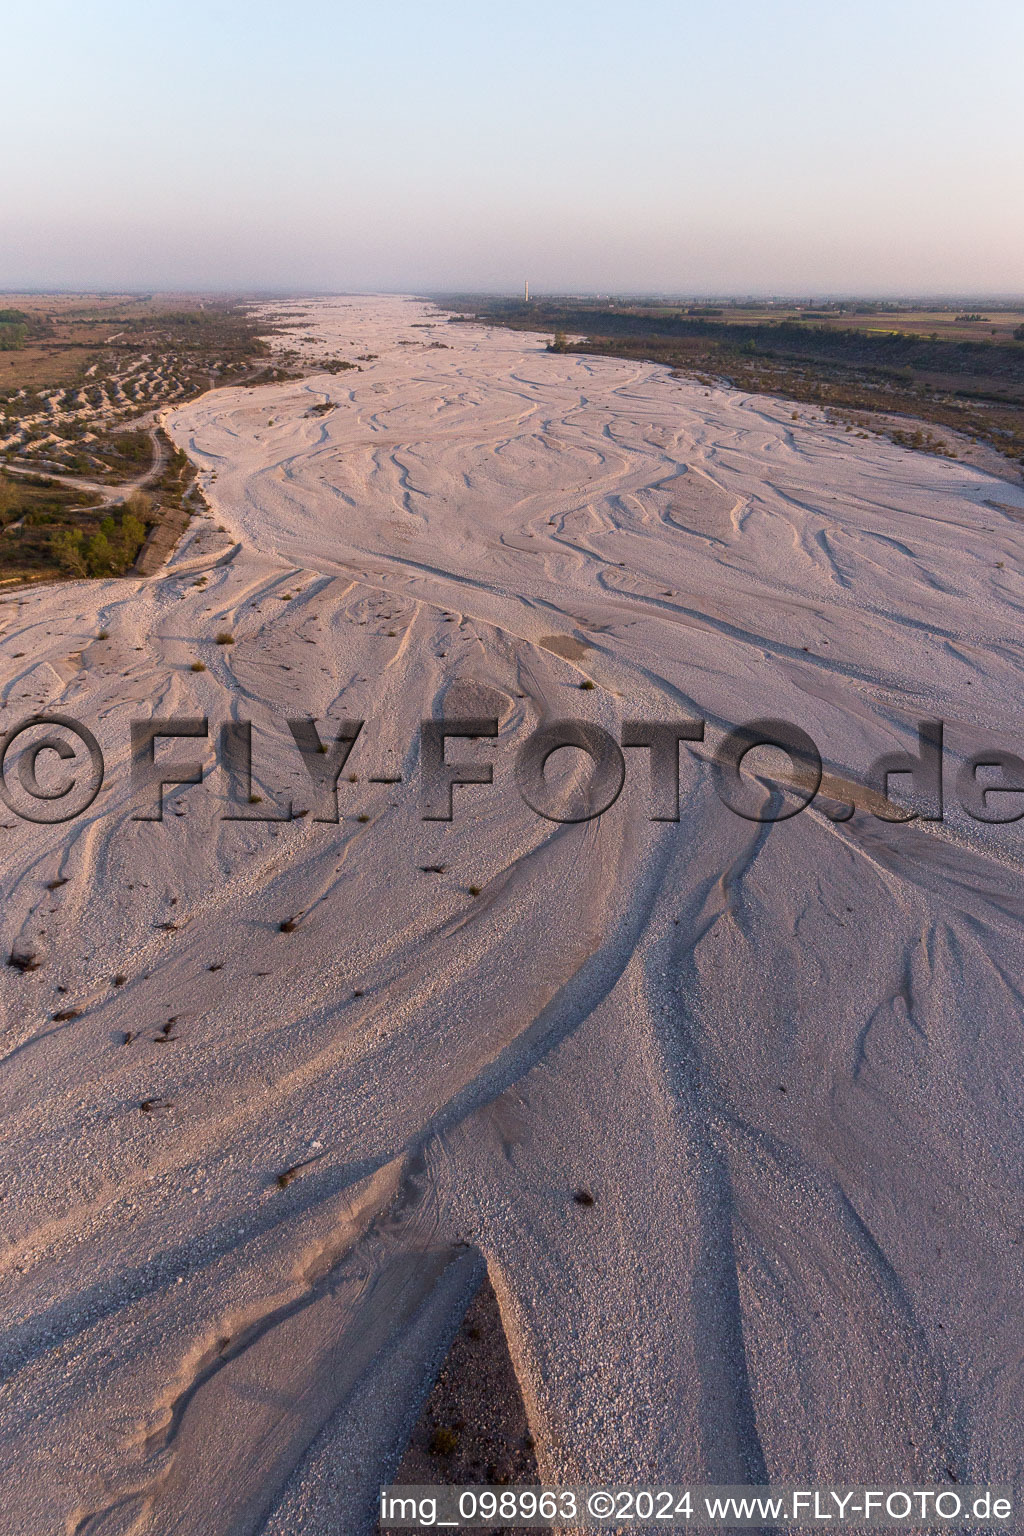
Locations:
(695, 146)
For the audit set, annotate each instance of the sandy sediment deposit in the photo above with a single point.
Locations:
(253, 1173)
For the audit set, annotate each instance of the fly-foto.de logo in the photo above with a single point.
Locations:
(52, 769)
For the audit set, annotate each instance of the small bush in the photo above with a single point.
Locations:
(99, 554)
(225, 637)
(66, 548)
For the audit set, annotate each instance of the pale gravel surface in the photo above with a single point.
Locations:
(786, 1061)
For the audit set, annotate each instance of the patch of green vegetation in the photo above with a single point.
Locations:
(78, 541)
(111, 549)
(18, 327)
(49, 529)
(12, 334)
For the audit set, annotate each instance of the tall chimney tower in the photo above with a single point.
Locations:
(526, 290)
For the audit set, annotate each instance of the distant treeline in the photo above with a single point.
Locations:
(888, 351)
